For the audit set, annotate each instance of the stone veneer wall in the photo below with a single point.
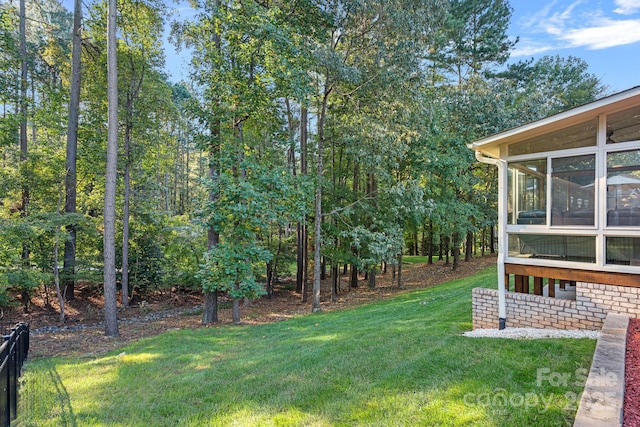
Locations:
(588, 311)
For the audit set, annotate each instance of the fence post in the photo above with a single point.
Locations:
(5, 415)
(13, 353)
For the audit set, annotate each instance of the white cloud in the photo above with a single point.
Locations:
(609, 33)
(535, 19)
(578, 25)
(557, 22)
(528, 48)
(627, 7)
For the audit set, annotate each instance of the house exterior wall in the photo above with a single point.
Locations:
(588, 311)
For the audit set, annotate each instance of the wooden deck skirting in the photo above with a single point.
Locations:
(564, 276)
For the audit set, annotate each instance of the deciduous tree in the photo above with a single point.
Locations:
(110, 302)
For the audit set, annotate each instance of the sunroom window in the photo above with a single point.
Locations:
(580, 135)
(624, 126)
(573, 191)
(623, 188)
(528, 192)
(553, 246)
(623, 250)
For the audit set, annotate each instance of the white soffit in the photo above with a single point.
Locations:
(610, 104)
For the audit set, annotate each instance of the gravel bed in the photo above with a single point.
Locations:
(531, 333)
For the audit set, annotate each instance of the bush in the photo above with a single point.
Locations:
(24, 281)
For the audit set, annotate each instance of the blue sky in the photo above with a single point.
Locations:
(605, 33)
(177, 62)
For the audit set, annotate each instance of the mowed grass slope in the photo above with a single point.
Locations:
(390, 363)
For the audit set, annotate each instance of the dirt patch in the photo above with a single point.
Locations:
(632, 375)
(82, 334)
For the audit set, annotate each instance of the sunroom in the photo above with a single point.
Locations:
(569, 207)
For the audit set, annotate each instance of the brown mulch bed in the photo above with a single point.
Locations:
(83, 335)
(632, 375)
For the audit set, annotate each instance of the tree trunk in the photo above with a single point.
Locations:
(186, 205)
(132, 95)
(70, 205)
(468, 254)
(302, 276)
(300, 257)
(474, 244)
(400, 282)
(430, 244)
(356, 179)
(110, 302)
(423, 241)
(56, 280)
(291, 155)
(23, 83)
(372, 278)
(334, 283)
(24, 205)
(235, 311)
(272, 266)
(456, 250)
(56, 271)
(447, 244)
(210, 310)
(269, 286)
(318, 208)
(353, 283)
(305, 269)
(125, 218)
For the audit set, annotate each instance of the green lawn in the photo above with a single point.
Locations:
(395, 362)
(415, 259)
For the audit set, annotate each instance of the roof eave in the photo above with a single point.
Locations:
(618, 101)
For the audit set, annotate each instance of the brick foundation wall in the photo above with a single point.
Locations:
(588, 311)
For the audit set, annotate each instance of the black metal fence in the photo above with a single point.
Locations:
(13, 353)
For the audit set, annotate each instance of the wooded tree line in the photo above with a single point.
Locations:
(325, 135)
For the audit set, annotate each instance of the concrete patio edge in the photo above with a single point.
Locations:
(602, 401)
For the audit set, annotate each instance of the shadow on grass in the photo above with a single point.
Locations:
(52, 395)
